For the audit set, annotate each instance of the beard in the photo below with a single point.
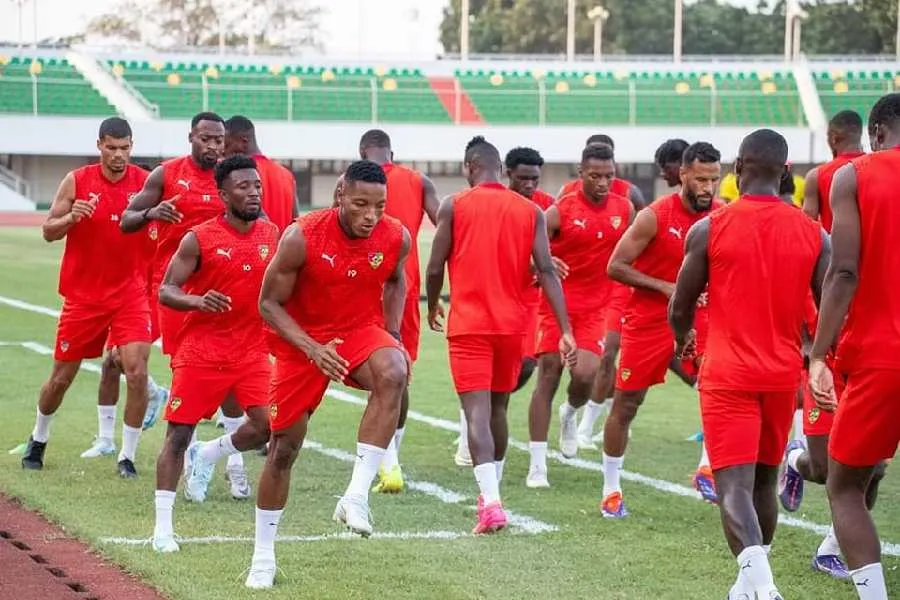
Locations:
(246, 215)
(694, 201)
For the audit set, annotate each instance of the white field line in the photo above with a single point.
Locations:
(889, 548)
(346, 536)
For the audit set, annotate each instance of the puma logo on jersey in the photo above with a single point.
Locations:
(675, 232)
(113, 217)
(92, 197)
(184, 183)
(330, 259)
(580, 223)
(223, 252)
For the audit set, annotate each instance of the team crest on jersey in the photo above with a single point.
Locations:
(64, 346)
(375, 259)
(273, 411)
(626, 374)
(264, 251)
(154, 233)
(814, 415)
(174, 403)
(616, 222)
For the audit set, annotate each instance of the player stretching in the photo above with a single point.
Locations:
(648, 258)
(489, 235)
(866, 429)
(760, 257)
(583, 228)
(103, 288)
(221, 346)
(523, 168)
(358, 255)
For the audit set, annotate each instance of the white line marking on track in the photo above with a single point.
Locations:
(347, 536)
(888, 548)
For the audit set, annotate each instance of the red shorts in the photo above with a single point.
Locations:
(745, 428)
(298, 386)
(589, 329)
(410, 327)
(644, 356)
(153, 300)
(170, 323)
(615, 310)
(485, 362)
(529, 343)
(197, 392)
(84, 330)
(866, 427)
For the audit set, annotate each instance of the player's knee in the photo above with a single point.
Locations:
(60, 380)
(283, 453)
(583, 374)
(392, 376)
(136, 374)
(625, 408)
(179, 439)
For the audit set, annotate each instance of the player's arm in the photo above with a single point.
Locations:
(811, 194)
(183, 264)
(552, 221)
(842, 276)
(637, 198)
(632, 244)
(818, 280)
(430, 202)
(148, 205)
(440, 252)
(65, 211)
(545, 269)
(692, 280)
(394, 296)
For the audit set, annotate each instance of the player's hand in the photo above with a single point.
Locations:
(562, 269)
(687, 348)
(569, 349)
(436, 317)
(821, 384)
(215, 302)
(329, 361)
(165, 211)
(83, 209)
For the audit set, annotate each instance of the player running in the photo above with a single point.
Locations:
(866, 429)
(489, 235)
(357, 254)
(759, 258)
(215, 278)
(647, 259)
(102, 286)
(583, 228)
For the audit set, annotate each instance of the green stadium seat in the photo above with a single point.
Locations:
(854, 90)
(51, 86)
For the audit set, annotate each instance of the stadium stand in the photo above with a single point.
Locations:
(854, 89)
(48, 86)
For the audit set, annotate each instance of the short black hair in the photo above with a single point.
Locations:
(886, 112)
(702, 151)
(523, 156)
(600, 138)
(233, 163)
(597, 152)
(114, 127)
(670, 151)
(482, 151)
(206, 116)
(848, 121)
(239, 124)
(765, 150)
(365, 171)
(375, 138)
(786, 185)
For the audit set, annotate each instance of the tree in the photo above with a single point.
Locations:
(270, 24)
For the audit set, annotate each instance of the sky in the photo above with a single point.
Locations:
(413, 24)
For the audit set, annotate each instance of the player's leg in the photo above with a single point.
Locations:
(134, 358)
(168, 469)
(51, 396)
(803, 462)
(615, 441)
(601, 393)
(529, 365)
(231, 416)
(505, 374)
(157, 395)
(107, 398)
(581, 383)
(550, 368)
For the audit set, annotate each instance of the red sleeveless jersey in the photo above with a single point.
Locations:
(199, 202)
(278, 191)
(490, 262)
(620, 187)
(340, 287)
(232, 263)
(542, 199)
(825, 176)
(762, 255)
(871, 337)
(588, 233)
(100, 264)
(405, 203)
(662, 257)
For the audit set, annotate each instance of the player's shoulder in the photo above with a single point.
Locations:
(173, 162)
(315, 218)
(543, 199)
(83, 172)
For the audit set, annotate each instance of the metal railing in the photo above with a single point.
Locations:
(151, 107)
(14, 181)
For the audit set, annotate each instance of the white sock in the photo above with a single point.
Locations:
(231, 425)
(755, 565)
(463, 430)
(592, 412)
(165, 503)
(798, 425)
(398, 438)
(486, 476)
(538, 451)
(498, 466)
(829, 545)
(704, 456)
(106, 420)
(217, 449)
(391, 459)
(611, 467)
(266, 529)
(869, 582)
(368, 457)
(567, 411)
(130, 438)
(794, 456)
(41, 431)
